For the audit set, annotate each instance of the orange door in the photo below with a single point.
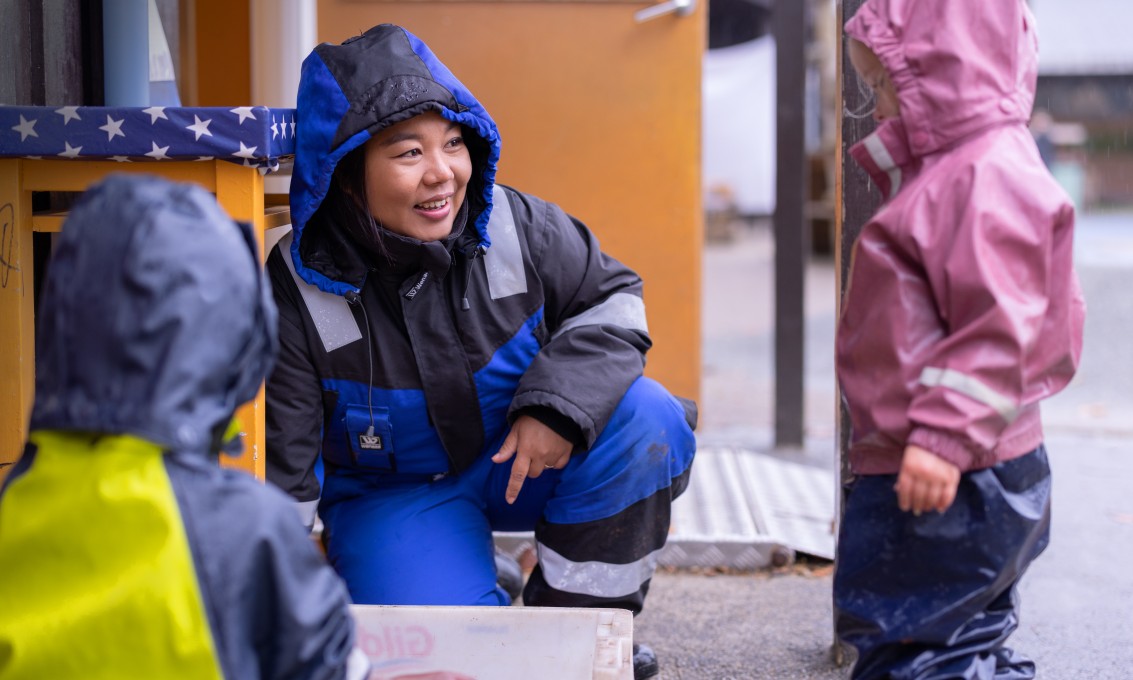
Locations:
(599, 113)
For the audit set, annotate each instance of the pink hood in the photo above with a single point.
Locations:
(959, 66)
(963, 310)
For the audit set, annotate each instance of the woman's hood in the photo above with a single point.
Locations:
(350, 92)
(155, 319)
(959, 66)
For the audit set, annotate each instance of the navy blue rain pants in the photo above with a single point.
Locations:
(934, 596)
(599, 523)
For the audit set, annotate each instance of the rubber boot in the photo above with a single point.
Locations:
(644, 662)
(509, 576)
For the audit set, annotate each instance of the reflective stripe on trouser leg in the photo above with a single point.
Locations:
(934, 596)
(605, 563)
(608, 518)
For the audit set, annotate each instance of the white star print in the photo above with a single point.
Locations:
(245, 151)
(69, 113)
(200, 127)
(26, 128)
(120, 159)
(70, 151)
(158, 152)
(113, 128)
(274, 128)
(244, 112)
(293, 128)
(155, 112)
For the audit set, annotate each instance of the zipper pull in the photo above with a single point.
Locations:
(476, 252)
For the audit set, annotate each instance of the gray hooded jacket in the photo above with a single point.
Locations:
(155, 323)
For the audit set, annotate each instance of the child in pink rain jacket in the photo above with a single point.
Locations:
(962, 313)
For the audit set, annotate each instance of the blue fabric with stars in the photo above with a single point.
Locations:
(255, 136)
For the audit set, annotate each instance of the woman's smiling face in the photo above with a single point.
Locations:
(417, 173)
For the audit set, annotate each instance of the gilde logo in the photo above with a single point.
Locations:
(396, 642)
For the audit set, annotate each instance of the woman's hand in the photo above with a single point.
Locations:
(926, 481)
(536, 448)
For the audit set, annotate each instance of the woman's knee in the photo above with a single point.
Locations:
(651, 431)
(647, 400)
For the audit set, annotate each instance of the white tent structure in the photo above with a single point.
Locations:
(738, 135)
(1084, 37)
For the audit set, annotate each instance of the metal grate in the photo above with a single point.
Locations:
(743, 510)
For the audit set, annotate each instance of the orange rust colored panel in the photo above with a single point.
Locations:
(222, 47)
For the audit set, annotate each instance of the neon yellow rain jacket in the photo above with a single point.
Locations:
(125, 551)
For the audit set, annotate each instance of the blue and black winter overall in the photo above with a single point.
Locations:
(405, 372)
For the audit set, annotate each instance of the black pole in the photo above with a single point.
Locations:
(792, 242)
(857, 202)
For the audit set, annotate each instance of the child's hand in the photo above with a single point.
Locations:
(926, 481)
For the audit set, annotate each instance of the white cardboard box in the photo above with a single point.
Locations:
(496, 643)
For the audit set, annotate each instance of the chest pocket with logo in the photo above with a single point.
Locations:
(370, 437)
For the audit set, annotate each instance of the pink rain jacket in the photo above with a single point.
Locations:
(963, 310)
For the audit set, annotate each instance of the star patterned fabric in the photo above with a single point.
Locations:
(254, 136)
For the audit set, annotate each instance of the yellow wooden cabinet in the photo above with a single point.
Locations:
(40, 166)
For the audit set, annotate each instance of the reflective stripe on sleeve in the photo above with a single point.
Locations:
(620, 309)
(970, 387)
(597, 579)
(885, 161)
